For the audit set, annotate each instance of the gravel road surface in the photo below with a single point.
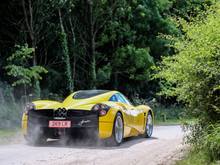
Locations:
(158, 150)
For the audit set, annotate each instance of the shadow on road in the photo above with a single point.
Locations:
(91, 144)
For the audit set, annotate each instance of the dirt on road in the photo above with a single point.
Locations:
(161, 149)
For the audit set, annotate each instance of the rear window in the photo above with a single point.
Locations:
(84, 94)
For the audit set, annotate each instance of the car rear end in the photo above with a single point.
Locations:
(52, 123)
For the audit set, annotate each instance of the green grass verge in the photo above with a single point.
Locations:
(168, 115)
(196, 158)
(168, 122)
(5, 133)
(174, 121)
(9, 135)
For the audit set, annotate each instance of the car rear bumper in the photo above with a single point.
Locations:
(83, 123)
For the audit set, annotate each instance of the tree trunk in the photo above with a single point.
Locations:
(93, 65)
(2, 98)
(74, 56)
(28, 16)
(64, 45)
(92, 44)
(115, 81)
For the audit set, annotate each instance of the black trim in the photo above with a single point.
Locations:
(38, 120)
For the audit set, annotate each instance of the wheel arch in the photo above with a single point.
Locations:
(115, 114)
(106, 123)
(151, 112)
(121, 115)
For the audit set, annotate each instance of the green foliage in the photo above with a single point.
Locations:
(211, 142)
(6, 93)
(10, 111)
(192, 75)
(169, 113)
(133, 63)
(10, 115)
(66, 58)
(18, 67)
(172, 114)
(195, 158)
(22, 54)
(188, 9)
(103, 75)
(7, 133)
(91, 35)
(205, 143)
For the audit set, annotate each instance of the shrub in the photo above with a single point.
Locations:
(10, 115)
(193, 76)
(10, 111)
(211, 142)
(161, 112)
(205, 141)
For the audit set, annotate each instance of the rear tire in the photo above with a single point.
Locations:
(149, 126)
(118, 131)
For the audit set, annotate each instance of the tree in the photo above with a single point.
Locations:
(136, 25)
(192, 75)
(132, 65)
(34, 19)
(83, 52)
(66, 57)
(18, 68)
(92, 18)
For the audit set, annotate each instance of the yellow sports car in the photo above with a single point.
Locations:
(95, 113)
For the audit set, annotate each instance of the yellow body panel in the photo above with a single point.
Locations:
(134, 117)
(24, 123)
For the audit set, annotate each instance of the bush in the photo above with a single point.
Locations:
(205, 143)
(192, 75)
(161, 112)
(195, 158)
(10, 115)
(211, 142)
(10, 111)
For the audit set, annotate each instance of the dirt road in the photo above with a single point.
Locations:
(158, 150)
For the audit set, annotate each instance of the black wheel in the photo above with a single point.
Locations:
(149, 126)
(118, 131)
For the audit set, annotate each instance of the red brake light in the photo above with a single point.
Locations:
(101, 108)
(102, 113)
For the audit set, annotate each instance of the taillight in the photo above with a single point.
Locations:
(28, 107)
(102, 109)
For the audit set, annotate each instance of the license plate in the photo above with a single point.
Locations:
(59, 124)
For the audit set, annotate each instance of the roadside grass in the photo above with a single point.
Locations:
(9, 135)
(174, 122)
(5, 133)
(172, 115)
(196, 158)
(10, 115)
(168, 122)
